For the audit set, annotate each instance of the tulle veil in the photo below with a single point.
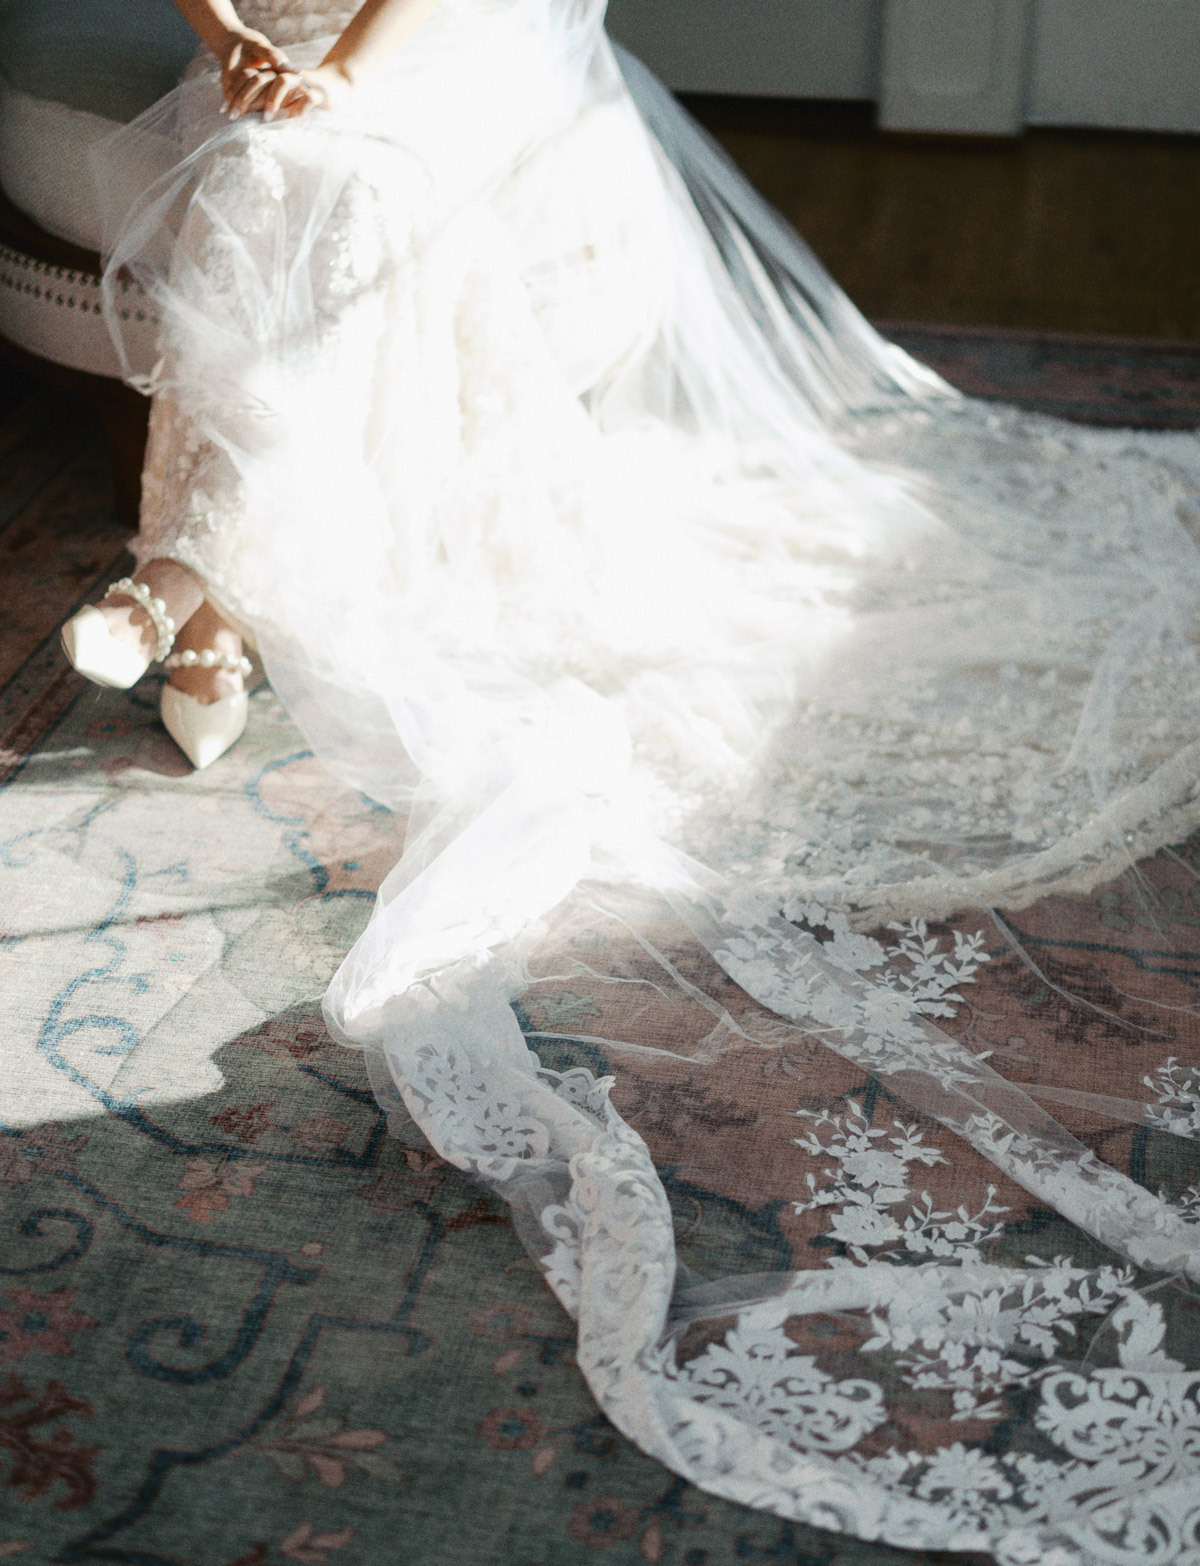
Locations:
(732, 645)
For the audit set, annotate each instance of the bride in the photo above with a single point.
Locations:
(574, 512)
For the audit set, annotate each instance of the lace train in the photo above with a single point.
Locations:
(576, 513)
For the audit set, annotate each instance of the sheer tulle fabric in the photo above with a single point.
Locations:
(576, 513)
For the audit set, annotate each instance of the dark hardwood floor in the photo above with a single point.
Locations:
(1076, 231)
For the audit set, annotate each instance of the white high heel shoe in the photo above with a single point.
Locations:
(204, 730)
(99, 656)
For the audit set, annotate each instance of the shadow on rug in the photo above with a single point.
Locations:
(239, 1324)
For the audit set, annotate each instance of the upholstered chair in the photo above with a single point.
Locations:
(71, 72)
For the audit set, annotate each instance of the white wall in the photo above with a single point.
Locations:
(1127, 63)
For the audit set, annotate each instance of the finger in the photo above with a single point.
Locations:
(274, 59)
(233, 85)
(244, 57)
(236, 100)
(277, 94)
(298, 103)
(242, 91)
(243, 77)
(315, 94)
(248, 98)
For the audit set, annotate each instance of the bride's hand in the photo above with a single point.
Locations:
(249, 63)
(294, 93)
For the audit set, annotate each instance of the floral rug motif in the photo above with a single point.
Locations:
(240, 1324)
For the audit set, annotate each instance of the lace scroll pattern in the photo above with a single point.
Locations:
(756, 1413)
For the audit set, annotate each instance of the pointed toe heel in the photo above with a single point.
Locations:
(204, 731)
(98, 656)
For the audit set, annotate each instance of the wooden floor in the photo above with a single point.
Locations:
(1076, 231)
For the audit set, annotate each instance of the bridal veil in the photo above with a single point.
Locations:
(712, 647)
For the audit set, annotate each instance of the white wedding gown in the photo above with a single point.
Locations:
(574, 511)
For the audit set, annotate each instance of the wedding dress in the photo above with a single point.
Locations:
(576, 513)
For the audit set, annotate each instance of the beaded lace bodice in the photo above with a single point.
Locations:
(288, 22)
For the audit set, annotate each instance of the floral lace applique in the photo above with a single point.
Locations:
(874, 1021)
(949, 1338)
(1178, 1089)
(928, 975)
(868, 1184)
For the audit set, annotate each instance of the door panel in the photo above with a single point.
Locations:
(954, 67)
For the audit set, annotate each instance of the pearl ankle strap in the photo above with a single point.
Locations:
(208, 658)
(164, 626)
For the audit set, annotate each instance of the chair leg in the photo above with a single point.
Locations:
(126, 416)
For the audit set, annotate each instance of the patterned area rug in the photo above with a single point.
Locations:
(1097, 380)
(240, 1325)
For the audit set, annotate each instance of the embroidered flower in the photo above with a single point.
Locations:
(246, 1124)
(1178, 1089)
(757, 1374)
(860, 1224)
(39, 1323)
(319, 1133)
(44, 1150)
(292, 1041)
(315, 1442)
(602, 1522)
(499, 1323)
(209, 1186)
(874, 1166)
(511, 1429)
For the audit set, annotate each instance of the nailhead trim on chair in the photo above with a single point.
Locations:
(35, 297)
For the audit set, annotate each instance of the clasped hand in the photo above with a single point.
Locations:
(258, 78)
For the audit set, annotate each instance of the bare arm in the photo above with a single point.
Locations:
(374, 35)
(215, 21)
(242, 52)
